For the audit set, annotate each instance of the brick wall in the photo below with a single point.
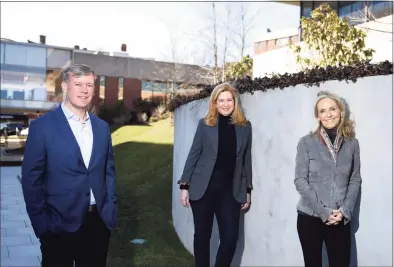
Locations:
(111, 91)
(131, 91)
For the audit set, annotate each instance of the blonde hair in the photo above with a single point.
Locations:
(237, 117)
(346, 125)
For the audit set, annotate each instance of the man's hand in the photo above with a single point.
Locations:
(247, 204)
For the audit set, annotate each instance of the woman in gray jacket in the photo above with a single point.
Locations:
(218, 175)
(327, 176)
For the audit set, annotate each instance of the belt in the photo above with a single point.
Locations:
(92, 208)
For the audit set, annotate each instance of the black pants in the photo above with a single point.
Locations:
(218, 200)
(88, 247)
(312, 232)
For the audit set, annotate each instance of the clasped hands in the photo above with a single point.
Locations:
(335, 218)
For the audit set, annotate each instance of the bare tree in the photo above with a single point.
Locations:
(245, 19)
(215, 45)
(226, 41)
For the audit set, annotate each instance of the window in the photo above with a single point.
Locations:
(357, 14)
(345, 8)
(57, 59)
(36, 57)
(333, 5)
(306, 9)
(15, 55)
(2, 54)
(282, 41)
(316, 4)
(25, 56)
(380, 9)
(154, 86)
(24, 72)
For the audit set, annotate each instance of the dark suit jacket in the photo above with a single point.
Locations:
(56, 184)
(202, 158)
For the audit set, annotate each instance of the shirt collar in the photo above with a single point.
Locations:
(70, 115)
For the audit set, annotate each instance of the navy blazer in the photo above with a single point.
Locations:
(56, 183)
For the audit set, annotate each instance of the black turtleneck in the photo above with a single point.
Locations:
(227, 149)
(332, 133)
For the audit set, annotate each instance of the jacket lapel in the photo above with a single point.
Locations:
(238, 131)
(215, 137)
(66, 132)
(95, 132)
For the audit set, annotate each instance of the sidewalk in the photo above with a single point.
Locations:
(19, 245)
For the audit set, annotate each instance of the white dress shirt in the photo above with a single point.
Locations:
(84, 135)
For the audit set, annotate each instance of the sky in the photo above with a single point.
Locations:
(168, 31)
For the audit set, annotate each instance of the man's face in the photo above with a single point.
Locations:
(79, 90)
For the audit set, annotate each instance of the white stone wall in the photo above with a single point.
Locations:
(279, 118)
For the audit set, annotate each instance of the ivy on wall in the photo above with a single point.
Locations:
(310, 77)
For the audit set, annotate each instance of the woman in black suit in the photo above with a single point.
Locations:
(217, 176)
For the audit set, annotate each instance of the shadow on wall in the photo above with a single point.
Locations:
(355, 224)
(144, 200)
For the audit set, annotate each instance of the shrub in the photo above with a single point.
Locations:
(310, 77)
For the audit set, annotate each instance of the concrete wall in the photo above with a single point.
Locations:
(282, 60)
(279, 118)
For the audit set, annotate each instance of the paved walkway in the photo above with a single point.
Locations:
(19, 245)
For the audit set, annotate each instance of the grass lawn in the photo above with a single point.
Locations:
(143, 159)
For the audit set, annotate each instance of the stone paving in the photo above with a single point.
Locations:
(19, 245)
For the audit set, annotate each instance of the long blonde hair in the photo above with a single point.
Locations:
(237, 117)
(346, 125)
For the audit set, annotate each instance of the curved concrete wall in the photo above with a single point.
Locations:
(279, 118)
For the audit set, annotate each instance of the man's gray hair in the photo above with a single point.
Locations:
(76, 70)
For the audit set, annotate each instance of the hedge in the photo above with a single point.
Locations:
(312, 77)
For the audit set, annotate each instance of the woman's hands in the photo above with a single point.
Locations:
(185, 198)
(247, 204)
(335, 218)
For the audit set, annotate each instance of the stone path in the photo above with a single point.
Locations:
(19, 245)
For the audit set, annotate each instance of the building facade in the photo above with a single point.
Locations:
(28, 75)
(358, 12)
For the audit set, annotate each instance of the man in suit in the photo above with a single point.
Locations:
(68, 177)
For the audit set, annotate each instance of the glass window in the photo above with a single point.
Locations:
(2, 54)
(317, 4)
(57, 59)
(380, 9)
(345, 8)
(26, 56)
(282, 41)
(358, 14)
(306, 9)
(24, 73)
(36, 57)
(15, 55)
(154, 86)
(333, 4)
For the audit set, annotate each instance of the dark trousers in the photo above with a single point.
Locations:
(88, 247)
(312, 232)
(218, 200)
